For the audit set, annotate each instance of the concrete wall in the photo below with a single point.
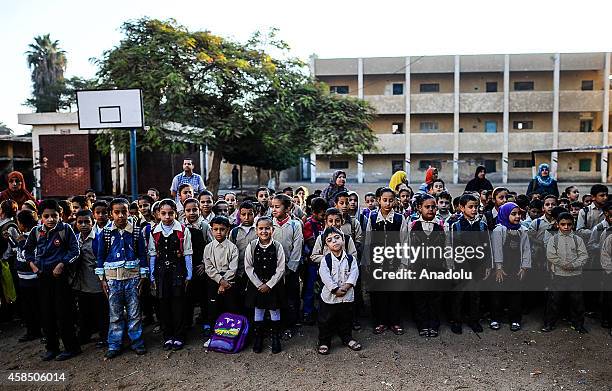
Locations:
(476, 122)
(476, 82)
(445, 80)
(381, 84)
(542, 81)
(572, 80)
(445, 122)
(542, 122)
(350, 81)
(432, 103)
(383, 123)
(478, 102)
(387, 104)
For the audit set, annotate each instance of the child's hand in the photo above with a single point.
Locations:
(58, 270)
(140, 285)
(221, 290)
(187, 285)
(5, 234)
(346, 287)
(340, 292)
(105, 288)
(521, 274)
(200, 269)
(487, 273)
(499, 275)
(226, 285)
(34, 267)
(263, 288)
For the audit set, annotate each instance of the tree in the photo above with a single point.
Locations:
(47, 63)
(5, 130)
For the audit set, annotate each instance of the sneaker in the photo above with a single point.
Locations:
(476, 327)
(110, 354)
(49, 355)
(515, 326)
(28, 338)
(206, 343)
(547, 328)
(494, 325)
(141, 350)
(101, 344)
(206, 331)
(433, 333)
(456, 328)
(168, 345)
(178, 345)
(580, 329)
(63, 356)
(424, 333)
(287, 335)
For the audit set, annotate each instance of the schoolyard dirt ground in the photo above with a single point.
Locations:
(497, 360)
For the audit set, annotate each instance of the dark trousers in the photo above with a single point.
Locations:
(513, 299)
(291, 314)
(465, 305)
(606, 305)
(335, 319)
(172, 317)
(560, 288)
(358, 304)
(93, 315)
(56, 312)
(219, 303)
(148, 302)
(196, 295)
(30, 304)
(386, 308)
(427, 307)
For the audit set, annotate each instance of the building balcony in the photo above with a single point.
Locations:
(480, 102)
(438, 103)
(580, 101)
(387, 104)
(531, 101)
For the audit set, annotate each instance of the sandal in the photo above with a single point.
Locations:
(380, 329)
(433, 333)
(354, 345)
(397, 330)
(424, 333)
(323, 350)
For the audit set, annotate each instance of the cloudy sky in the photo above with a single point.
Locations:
(330, 28)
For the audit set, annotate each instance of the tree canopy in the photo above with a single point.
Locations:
(47, 62)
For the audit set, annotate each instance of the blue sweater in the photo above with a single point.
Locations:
(48, 248)
(115, 250)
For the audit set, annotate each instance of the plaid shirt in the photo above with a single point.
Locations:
(195, 180)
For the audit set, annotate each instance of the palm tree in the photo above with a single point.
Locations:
(47, 62)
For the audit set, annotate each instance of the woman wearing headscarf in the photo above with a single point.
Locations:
(336, 185)
(398, 178)
(430, 175)
(543, 183)
(16, 189)
(479, 182)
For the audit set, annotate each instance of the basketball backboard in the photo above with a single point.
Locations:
(110, 109)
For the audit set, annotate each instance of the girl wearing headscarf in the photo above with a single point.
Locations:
(543, 183)
(16, 189)
(511, 259)
(336, 185)
(302, 193)
(430, 175)
(479, 182)
(398, 178)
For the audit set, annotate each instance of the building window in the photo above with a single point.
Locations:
(341, 90)
(397, 128)
(490, 165)
(587, 85)
(396, 165)
(430, 87)
(586, 125)
(521, 163)
(491, 126)
(584, 165)
(598, 162)
(523, 86)
(425, 164)
(491, 86)
(338, 164)
(398, 89)
(429, 126)
(522, 125)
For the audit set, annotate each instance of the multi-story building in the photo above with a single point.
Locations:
(458, 111)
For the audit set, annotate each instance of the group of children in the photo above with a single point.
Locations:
(289, 258)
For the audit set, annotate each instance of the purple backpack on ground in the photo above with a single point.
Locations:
(229, 333)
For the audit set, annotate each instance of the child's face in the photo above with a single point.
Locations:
(101, 215)
(263, 197)
(342, 204)
(166, 214)
(564, 204)
(437, 188)
(565, 226)
(405, 199)
(319, 216)
(156, 215)
(120, 215)
(370, 202)
(278, 209)
(515, 216)
(222, 209)
(333, 221)
(534, 213)
(386, 202)
(574, 211)
(587, 200)
(186, 192)
(22, 228)
(144, 207)
(231, 201)
(153, 195)
(600, 199)
(608, 214)
(50, 218)
(91, 196)
(84, 225)
(247, 216)
(352, 203)
(443, 205)
(549, 204)
(335, 243)
(574, 194)
(192, 212)
(206, 204)
(75, 208)
(501, 198)
(470, 210)
(428, 209)
(264, 231)
(134, 211)
(219, 232)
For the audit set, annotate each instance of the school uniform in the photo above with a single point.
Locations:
(122, 262)
(336, 313)
(171, 252)
(311, 232)
(46, 248)
(93, 304)
(588, 218)
(606, 266)
(288, 232)
(197, 290)
(265, 264)
(566, 250)
(220, 262)
(511, 252)
(29, 290)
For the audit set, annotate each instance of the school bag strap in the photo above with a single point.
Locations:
(181, 236)
(234, 234)
(328, 261)
(556, 242)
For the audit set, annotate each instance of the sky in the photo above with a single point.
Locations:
(327, 28)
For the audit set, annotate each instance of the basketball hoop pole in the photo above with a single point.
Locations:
(133, 166)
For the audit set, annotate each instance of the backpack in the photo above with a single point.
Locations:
(328, 261)
(106, 234)
(229, 333)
